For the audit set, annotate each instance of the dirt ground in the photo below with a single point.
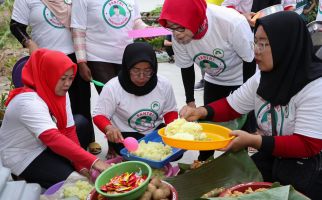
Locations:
(7, 55)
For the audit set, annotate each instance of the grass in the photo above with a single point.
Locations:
(10, 51)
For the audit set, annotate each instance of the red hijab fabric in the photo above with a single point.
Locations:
(190, 14)
(41, 74)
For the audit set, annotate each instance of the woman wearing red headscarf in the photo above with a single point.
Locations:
(38, 139)
(286, 97)
(217, 39)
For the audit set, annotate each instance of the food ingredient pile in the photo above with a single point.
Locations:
(153, 150)
(183, 130)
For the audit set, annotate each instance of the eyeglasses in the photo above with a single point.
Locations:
(179, 29)
(138, 72)
(260, 46)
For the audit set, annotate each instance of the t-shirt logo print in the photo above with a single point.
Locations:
(116, 13)
(155, 105)
(212, 64)
(143, 120)
(51, 19)
(265, 120)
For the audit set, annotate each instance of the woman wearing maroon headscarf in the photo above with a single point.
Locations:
(216, 38)
(38, 139)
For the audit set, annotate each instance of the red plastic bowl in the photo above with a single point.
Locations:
(244, 186)
(174, 194)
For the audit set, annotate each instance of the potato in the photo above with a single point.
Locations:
(166, 190)
(157, 182)
(146, 196)
(158, 194)
(151, 187)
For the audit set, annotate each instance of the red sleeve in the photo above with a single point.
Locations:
(170, 117)
(65, 147)
(231, 6)
(70, 132)
(101, 122)
(289, 7)
(296, 146)
(223, 111)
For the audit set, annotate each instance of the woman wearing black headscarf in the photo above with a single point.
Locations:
(287, 99)
(137, 101)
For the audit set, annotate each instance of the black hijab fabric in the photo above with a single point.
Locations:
(133, 54)
(294, 64)
(261, 4)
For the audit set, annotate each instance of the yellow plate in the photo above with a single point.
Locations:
(219, 136)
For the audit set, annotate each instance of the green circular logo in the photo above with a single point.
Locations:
(212, 65)
(116, 13)
(143, 120)
(155, 105)
(218, 53)
(51, 19)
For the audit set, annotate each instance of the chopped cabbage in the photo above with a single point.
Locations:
(181, 129)
(183, 136)
(81, 189)
(153, 150)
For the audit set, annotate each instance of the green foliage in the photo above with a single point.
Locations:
(7, 6)
(156, 11)
(156, 42)
(312, 15)
(7, 40)
(10, 61)
(3, 99)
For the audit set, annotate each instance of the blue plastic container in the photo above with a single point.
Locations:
(154, 137)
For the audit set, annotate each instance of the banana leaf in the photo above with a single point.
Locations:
(187, 167)
(227, 170)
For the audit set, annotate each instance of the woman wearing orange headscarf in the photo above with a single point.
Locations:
(38, 139)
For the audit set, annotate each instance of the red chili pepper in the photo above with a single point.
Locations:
(123, 183)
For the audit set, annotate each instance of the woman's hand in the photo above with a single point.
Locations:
(193, 114)
(192, 104)
(31, 45)
(100, 166)
(113, 134)
(84, 71)
(249, 17)
(85, 173)
(242, 140)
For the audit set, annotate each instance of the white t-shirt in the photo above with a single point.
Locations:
(245, 6)
(302, 115)
(107, 24)
(26, 117)
(46, 30)
(319, 13)
(223, 48)
(131, 113)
